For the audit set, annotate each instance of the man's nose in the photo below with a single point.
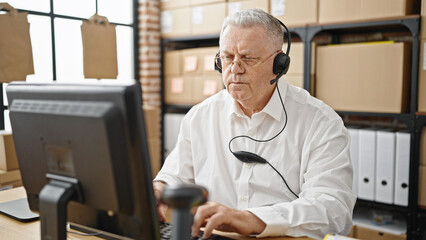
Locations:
(237, 67)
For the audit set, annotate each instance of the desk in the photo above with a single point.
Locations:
(15, 230)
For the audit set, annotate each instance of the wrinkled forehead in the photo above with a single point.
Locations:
(239, 39)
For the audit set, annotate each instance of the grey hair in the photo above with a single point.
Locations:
(253, 17)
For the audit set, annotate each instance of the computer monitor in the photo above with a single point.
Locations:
(83, 155)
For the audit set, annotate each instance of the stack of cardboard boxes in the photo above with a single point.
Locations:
(10, 176)
(190, 76)
(294, 75)
(335, 11)
(364, 77)
(295, 13)
(191, 17)
(199, 17)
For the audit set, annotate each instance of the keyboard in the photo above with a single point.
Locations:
(166, 233)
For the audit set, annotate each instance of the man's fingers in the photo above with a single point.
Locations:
(162, 210)
(214, 222)
(202, 213)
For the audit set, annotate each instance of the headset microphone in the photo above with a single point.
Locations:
(276, 79)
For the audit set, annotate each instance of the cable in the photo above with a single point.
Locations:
(252, 157)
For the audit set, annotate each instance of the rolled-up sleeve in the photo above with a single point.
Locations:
(326, 200)
(178, 167)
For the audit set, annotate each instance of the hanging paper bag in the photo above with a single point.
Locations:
(16, 58)
(99, 48)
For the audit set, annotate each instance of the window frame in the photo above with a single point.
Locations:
(134, 25)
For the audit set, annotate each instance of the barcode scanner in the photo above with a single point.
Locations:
(182, 198)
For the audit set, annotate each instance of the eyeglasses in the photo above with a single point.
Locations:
(226, 61)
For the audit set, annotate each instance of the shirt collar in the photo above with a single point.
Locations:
(272, 108)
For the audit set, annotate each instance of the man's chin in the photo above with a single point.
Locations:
(238, 95)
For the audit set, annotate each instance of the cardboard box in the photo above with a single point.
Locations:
(206, 86)
(8, 158)
(349, 10)
(152, 121)
(296, 58)
(10, 185)
(423, 148)
(338, 10)
(364, 77)
(423, 19)
(176, 22)
(197, 61)
(295, 80)
(201, 2)
(244, 5)
(422, 77)
(154, 145)
(371, 9)
(207, 19)
(295, 12)
(170, 4)
(172, 63)
(191, 62)
(367, 234)
(178, 90)
(9, 176)
(207, 60)
(422, 187)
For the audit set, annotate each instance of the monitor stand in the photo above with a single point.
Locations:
(53, 200)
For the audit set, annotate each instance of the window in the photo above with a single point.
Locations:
(58, 54)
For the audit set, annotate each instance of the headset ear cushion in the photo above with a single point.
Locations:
(281, 64)
(218, 63)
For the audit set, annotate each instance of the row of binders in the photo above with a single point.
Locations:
(381, 162)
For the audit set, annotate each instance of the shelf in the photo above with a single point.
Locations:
(411, 22)
(192, 38)
(379, 205)
(399, 116)
(177, 108)
(403, 116)
(420, 122)
(215, 36)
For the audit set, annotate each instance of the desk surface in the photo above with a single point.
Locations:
(14, 230)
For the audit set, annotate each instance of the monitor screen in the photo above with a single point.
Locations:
(82, 148)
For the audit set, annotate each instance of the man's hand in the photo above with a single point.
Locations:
(161, 208)
(216, 216)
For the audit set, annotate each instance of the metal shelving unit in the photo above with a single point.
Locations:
(420, 215)
(409, 24)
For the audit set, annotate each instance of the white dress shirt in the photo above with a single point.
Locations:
(312, 154)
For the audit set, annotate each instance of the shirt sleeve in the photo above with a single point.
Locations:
(326, 201)
(178, 166)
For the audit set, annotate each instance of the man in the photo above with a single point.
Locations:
(312, 153)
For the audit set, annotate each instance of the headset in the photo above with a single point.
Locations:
(281, 61)
(280, 67)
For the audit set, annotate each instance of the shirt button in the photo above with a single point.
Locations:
(243, 198)
(248, 165)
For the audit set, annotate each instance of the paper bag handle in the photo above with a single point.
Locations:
(98, 19)
(6, 7)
